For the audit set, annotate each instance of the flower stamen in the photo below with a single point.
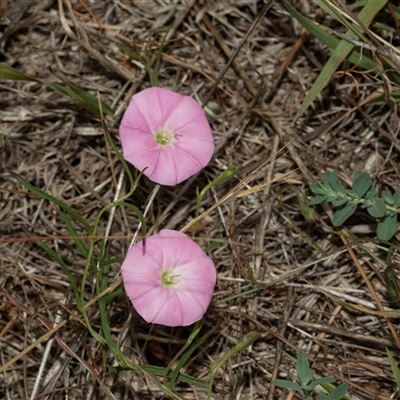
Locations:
(164, 137)
(169, 278)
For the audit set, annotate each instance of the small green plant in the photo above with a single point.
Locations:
(307, 383)
(363, 193)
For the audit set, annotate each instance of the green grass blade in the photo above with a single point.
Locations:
(340, 53)
(53, 200)
(326, 5)
(362, 60)
(63, 266)
(81, 97)
(395, 368)
(342, 49)
(175, 374)
(137, 212)
(7, 72)
(245, 342)
(79, 243)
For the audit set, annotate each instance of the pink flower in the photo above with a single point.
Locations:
(169, 279)
(166, 135)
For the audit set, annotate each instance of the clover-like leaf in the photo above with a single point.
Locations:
(339, 201)
(396, 197)
(387, 198)
(387, 227)
(378, 209)
(362, 182)
(304, 372)
(318, 188)
(330, 178)
(343, 213)
(371, 193)
(317, 200)
(339, 188)
(368, 203)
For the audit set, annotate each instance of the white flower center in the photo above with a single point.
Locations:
(164, 137)
(170, 278)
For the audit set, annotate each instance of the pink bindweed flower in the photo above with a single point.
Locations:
(169, 279)
(166, 135)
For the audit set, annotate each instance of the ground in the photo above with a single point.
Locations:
(299, 283)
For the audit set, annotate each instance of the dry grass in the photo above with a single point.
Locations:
(309, 301)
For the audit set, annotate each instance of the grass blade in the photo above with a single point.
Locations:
(395, 368)
(53, 200)
(342, 49)
(340, 53)
(81, 97)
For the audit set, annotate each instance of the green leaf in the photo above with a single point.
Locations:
(305, 374)
(318, 188)
(340, 201)
(378, 209)
(317, 200)
(343, 213)
(371, 193)
(362, 183)
(338, 393)
(396, 198)
(387, 198)
(395, 368)
(319, 381)
(288, 385)
(387, 227)
(332, 179)
(340, 188)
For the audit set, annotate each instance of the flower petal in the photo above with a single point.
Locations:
(161, 165)
(156, 105)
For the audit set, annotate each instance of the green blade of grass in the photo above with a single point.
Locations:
(186, 352)
(342, 48)
(245, 342)
(79, 243)
(81, 97)
(62, 264)
(395, 368)
(53, 200)
(355, 57)
(326, 6)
